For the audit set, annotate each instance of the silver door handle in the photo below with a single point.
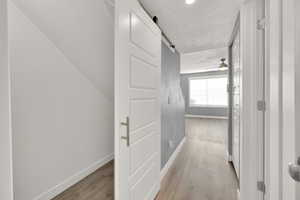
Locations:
(127, 137)
(294, 170)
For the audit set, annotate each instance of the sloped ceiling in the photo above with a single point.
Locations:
(207, 24)
(82, 30)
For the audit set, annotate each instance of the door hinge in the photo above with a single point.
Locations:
(261, 24)
(261, 105)
(261, 186)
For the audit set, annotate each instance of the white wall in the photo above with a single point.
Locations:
(5, 130)
(61, 56)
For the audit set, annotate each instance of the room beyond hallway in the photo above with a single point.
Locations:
(201, 171)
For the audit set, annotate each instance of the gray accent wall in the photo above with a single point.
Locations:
(203, 111)
(172, 104)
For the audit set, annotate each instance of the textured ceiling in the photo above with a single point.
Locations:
(206, 24)
(203, 60)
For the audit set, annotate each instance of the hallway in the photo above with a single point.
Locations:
(148, 100)
(200, 172)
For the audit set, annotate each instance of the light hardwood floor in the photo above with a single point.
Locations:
(97, 186)
(200, 172)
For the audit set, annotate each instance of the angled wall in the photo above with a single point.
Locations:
(61, 57)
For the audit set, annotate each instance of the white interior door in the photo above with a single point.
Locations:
(137, 103)
(291, 100)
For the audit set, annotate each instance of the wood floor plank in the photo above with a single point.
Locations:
(200, 171)
(97, 186)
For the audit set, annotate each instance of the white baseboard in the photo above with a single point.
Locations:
(206, 117)
(171, 160)
(56, 190)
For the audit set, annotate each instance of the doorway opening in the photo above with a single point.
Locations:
(208, 122)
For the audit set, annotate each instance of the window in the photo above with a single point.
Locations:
(210, 92)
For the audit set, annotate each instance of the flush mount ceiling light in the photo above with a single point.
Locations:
(189, 2)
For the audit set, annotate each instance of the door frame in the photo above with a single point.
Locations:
(6, 181)
(230, 90)
(236, 30)
(252, 119)
(280, 40)
(274, 99)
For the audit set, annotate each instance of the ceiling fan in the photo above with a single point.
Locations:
(223, 64)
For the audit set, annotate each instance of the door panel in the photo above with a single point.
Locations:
(138, 67)
(144, 188)
(143, 35)
(137, 97)
(138, 110)
(142, 150)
